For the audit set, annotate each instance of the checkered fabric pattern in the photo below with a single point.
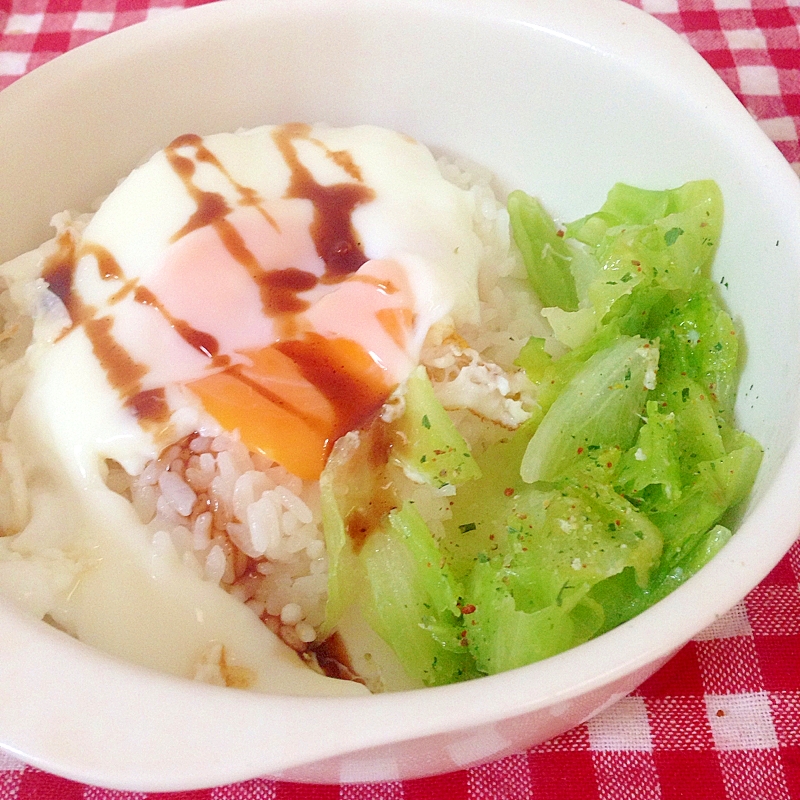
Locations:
(722, 718)
(754, 45)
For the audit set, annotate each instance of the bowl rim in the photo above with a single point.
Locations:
(94, 679)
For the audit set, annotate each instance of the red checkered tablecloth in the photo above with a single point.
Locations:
(722, 719)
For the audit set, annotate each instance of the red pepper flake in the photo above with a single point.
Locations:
(467, 609)
(464, 643)
(609, 464)
(508, 491)
(720, 712)
(580, 450)
(560, 234)
(463, 634)
(617, 522)
(636, 263)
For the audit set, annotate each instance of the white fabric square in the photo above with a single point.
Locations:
(161, 11)
(660, 6)
(508, 777)
(779, 129)
(94, 21)
(754, 775)
(624, 726)
(13, 63)
(746, 39)
(8, 763)
(759, 80)
(734, 623)
(24, 23)
(719, 5)
(741, 721)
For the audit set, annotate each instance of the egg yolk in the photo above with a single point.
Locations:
(324, 365)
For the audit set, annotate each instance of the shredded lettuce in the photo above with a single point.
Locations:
(547, 258)
(600, 406)
(612, 494)
(412, 601)
(428, 446)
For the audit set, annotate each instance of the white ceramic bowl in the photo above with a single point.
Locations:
(560, 97)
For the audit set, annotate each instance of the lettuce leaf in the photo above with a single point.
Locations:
(600, 406)
(547, 257)
(412, 601)
(427, 443)
(501, 636)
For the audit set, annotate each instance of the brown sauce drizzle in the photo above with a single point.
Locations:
(123, 373)
(247, 195)
(107, 265)
(371, 492)
(280, 287)
(335, 238)
(199, 340)
(353, 396)
(297, 411)
(150, 404)
(334, 660)
(332, 229)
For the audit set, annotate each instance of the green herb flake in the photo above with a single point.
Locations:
(467, 527)
(426, 423)
(671, 236)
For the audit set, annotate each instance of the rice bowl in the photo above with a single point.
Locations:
(618, 660)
